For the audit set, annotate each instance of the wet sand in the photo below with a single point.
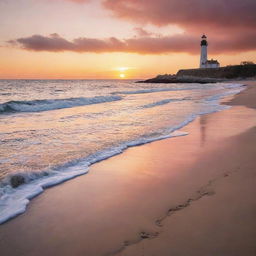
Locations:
(191, 195)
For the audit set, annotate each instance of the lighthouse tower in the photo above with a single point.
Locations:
(203, 59)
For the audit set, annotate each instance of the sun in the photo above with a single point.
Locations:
(122, 75)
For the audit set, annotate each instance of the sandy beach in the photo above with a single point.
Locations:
(190, 195)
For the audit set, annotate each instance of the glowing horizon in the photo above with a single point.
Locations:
(88, 39)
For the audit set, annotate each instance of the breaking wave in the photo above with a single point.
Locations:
(53, 104)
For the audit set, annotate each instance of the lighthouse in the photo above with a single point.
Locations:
(204, 45)
(204, 62)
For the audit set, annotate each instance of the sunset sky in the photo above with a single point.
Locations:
(121, 38)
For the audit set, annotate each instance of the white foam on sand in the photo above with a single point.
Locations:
(13, 201)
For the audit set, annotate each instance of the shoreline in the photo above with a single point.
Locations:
(55, 194)
(244, 98)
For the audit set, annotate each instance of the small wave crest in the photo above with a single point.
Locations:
(147, 91)
(53, 104)
(162, 102)
(219, 96)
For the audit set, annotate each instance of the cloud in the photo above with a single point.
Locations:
(142, 32)
(230, 24)
(55, 43)
(79, 1)
(194, 15)
(209, 16)
(142, 45)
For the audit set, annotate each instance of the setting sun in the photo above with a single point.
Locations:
(122, 75)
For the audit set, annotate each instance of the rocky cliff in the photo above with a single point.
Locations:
(207, 75)
(229, 72)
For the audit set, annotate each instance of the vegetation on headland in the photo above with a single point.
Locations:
(208, 75)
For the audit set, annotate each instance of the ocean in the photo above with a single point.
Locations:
(53, 130)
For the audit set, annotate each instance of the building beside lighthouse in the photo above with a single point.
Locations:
(204, 62)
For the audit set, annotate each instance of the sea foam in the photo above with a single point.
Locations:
(13, 201)
(153, 90)
(164, 89)
(162, 102)
(52, 104)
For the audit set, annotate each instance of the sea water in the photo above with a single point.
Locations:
(53, 130)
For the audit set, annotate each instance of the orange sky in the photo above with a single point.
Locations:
(95, 38)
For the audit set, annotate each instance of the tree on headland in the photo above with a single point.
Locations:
(247, 63)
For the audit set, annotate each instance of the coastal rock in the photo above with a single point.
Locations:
(148, 235)
(181, 79)
(17, 180)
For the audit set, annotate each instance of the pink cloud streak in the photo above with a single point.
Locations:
(141, 45)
